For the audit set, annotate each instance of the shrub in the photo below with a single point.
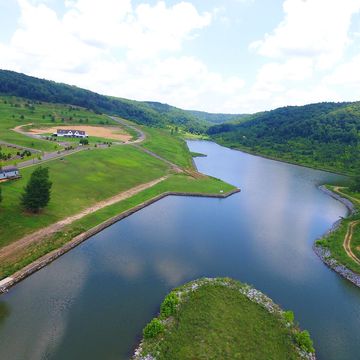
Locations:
(304, 341)
(289, 316)
(153, 328)
(168, 307)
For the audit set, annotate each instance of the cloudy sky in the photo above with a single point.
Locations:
(216, 55)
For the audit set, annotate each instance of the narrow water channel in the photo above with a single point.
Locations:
(93, 302)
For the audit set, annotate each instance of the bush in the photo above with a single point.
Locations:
(154, 328)
(289, 316)
(304, 341)
(168, 307)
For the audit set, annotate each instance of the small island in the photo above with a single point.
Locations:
(222, 319)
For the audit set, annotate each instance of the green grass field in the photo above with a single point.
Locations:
(79, 180)
(335, 240)
(217, 321)
(170, 147)
(13, 152)
(16, 112)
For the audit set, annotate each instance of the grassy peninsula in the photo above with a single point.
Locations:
(349, 229)
(222, 319)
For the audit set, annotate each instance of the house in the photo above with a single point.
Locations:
(70, 133)
(9, 172)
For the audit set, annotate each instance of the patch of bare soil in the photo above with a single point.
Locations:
(106, 132)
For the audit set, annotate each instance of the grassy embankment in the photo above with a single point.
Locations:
(83, 179)
(162, 143)
(335, 240)
(221, 319)
(16, 112)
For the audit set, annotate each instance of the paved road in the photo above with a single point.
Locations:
(59, 154)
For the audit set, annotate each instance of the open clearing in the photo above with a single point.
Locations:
(106, 132)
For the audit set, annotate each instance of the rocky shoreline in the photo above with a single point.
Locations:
(325, 254)
(252, 294)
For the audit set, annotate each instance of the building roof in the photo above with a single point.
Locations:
(6, 169)
(62, 131)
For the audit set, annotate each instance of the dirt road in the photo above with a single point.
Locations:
(347, 241)
(14, 249)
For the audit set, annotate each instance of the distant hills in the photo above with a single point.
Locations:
(146, 113)
(325, 135)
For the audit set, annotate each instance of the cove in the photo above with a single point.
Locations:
(93, 302)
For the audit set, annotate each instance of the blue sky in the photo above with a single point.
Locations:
(231, 56)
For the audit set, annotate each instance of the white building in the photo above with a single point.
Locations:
(9, 172)
(70, 133)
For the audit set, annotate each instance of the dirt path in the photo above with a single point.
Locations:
(338, 190)
(14, 249)
(350, 229)
(347, 241)
(141, 134)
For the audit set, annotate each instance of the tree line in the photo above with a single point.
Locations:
(325, 135)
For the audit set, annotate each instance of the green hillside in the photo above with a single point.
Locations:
(144, 113)
(324, 135)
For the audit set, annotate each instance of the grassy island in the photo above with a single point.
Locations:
(222, 319)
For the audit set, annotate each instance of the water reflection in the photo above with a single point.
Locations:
(4, 311)
(93, 302)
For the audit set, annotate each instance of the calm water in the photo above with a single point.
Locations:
(93, 302)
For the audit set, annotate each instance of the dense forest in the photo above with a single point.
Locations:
(146, 113)
(325, 135)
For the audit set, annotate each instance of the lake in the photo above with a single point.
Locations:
(93, 302)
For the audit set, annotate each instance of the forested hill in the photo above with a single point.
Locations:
(325, 135)
(152, 114)
(198, 115)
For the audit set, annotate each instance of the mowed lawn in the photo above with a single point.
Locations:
(16, 112)
(170, 147)
(79, 180)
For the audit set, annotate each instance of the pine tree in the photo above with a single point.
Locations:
(37, 190)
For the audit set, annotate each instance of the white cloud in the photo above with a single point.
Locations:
(139, 52)
(118, 49)
(346, 74)
(316, 29)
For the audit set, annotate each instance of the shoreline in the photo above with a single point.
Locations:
(18, 276)
(255, 296)
(268, 157)
(324, 253)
